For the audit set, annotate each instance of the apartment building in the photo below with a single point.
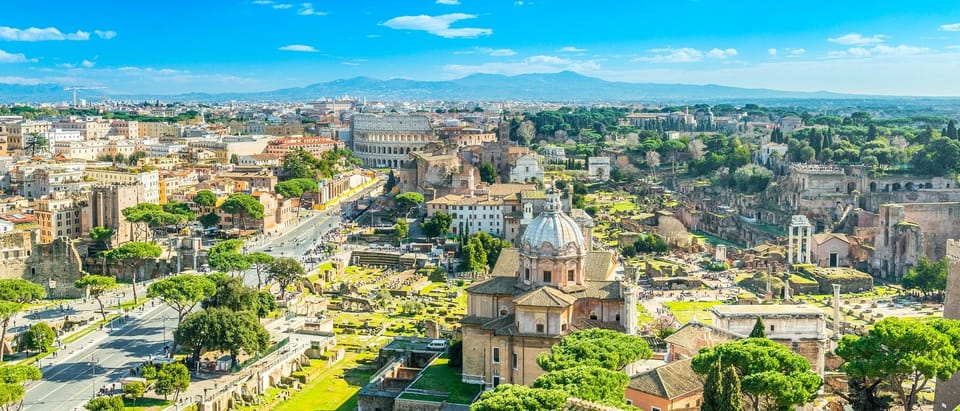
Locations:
(90, 128)
(17, 131)
(61, 215)
(316, 146)
(148, 180)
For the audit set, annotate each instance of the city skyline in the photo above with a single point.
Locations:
(886, 48)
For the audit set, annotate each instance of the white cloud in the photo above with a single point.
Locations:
(722, 53)
(14, 58)
(797, 52)
(105, 34)
(571, 49)
(37, 34)
(449, 2)
(552, 60)
(495, 52)
(953, 47)
(263, 2)
(298, 47)
(438, 25)
(901, 50)
(350, 63)
(87, 63)
(20, 80)
(463, 52)
(282, 6)
(518, 3)
(858, 52)
(856, 39)
(950, 27)
(772, 52)
(306, 9)
(672, 55)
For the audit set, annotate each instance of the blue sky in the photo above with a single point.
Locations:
(881, 47)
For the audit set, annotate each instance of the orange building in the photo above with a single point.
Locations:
(670, 387)
(314, 145)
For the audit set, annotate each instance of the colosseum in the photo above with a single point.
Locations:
(387, 140)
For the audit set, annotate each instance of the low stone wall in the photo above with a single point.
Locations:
(850, 280)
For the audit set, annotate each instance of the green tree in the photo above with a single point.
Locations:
(102, 236)
(260, 262)
(438, 225)
(721, 390)
(13, 379)
(180, 208)
(596, 347)
(473, 257)
(242, 205)
(155, 216)
(391, 182)
(172, 378)
(285, 271)
(408, 200)
(14, 294)
(182, 292)
(225, 256)
(231, 294)
(491, 246)
(927, 276)
(488, 174)
(224, 330)
(759, 330)
(402, 228)
(209, 220)
(96, 286)
(905, 354)
(134, 390)
(587, 382)
(510, 397)
(296, 187)
(112, 403)
(39, 337)
(771, 375)
(132, 255)
(205, 198)
(455, 353)
(299, 163)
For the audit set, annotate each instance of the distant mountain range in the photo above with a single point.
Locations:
(558, 87)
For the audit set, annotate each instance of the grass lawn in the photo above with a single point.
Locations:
(440, 377)
(643, 316)
(334, 389)
(146, 404)
(685, 310)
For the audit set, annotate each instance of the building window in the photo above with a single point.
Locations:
(569, 275)
(593, 315)
(547, 277)
(563, 327)
(496, 355)
(772, 327)
(629, 402)
(503, 310)
(652, 408)
(516, 360)
(526, 274)
(540, 328)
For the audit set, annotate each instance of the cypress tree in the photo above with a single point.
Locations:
(713, 390)
(759, 331)
(732, 396)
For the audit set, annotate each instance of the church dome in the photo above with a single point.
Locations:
(553, 230)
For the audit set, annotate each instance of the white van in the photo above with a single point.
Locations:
(437, 345)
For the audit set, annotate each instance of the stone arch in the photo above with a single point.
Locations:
(851, 186)
(896, 187)
(927, 185)
(873, 186)
(908, 186)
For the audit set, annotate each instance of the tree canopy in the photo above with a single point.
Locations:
(927, 276)
(598, 347)
(587, 382)
(296, 187)
(772, 376)
(222, 329)
(438, 225)
(284, 271)
(904, 354)
(205, 198)
(182, 292)
(510, 397)
(12, 381)
(96, 286)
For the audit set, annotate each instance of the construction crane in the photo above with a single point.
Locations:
(75, 88)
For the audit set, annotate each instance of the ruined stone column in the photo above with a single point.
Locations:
(837, 320)
(809, 243)
(790, 245)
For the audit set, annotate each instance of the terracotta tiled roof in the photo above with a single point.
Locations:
(545, 296)
(692, 332)
(599, 265)
(505, 325)
(496, 285)
(603, 290)
(507, 264)
(668, 381)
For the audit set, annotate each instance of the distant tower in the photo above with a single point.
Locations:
(947, 396)
(503, 130)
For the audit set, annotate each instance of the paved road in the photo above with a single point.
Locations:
(101, 358)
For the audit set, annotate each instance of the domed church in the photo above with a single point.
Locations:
(551, 285)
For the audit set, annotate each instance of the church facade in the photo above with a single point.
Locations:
(549, 287)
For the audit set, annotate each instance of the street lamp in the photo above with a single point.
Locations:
(93, 369)
(165, 318)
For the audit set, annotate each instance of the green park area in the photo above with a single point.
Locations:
(330, 388)
(440, 382)
(684, 311)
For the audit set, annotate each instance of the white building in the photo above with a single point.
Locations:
(527, 170)
(159, 150)
(767, 150)
(598, 168)
(471, 214)
(6, 226)
(149, 180)
(554, 154)
(58, 135)
(790, 123)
